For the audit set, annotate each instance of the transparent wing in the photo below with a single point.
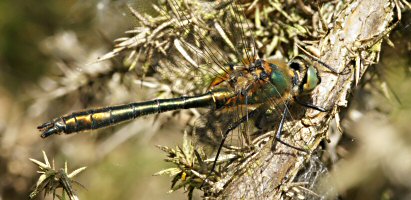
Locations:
(209, 47)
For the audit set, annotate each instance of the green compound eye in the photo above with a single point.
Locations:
(312, 79)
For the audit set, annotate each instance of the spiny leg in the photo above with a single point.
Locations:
(239, 122)
(309, 105)
(231, 127)
(279, 130)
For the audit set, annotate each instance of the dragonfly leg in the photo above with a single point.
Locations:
(230, 128)
(309, 105)
(279, 130)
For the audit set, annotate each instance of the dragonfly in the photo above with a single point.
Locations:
(249, 84)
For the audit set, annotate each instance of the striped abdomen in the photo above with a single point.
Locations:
(103, 117)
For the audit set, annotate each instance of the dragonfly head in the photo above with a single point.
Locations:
(306, 77)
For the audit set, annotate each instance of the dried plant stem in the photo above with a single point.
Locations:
(349, 47)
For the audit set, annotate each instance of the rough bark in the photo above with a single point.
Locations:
(348, 48)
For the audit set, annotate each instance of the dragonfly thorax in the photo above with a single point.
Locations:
(265, 80)
(256, 83)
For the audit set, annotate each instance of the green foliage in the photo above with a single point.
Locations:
(51, 179)
(190, 170)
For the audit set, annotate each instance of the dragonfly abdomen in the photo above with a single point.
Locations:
(103, 117)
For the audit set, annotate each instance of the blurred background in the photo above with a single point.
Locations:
(47, 68)
(372, 158)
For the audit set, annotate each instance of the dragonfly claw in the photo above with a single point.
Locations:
(50, 128)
